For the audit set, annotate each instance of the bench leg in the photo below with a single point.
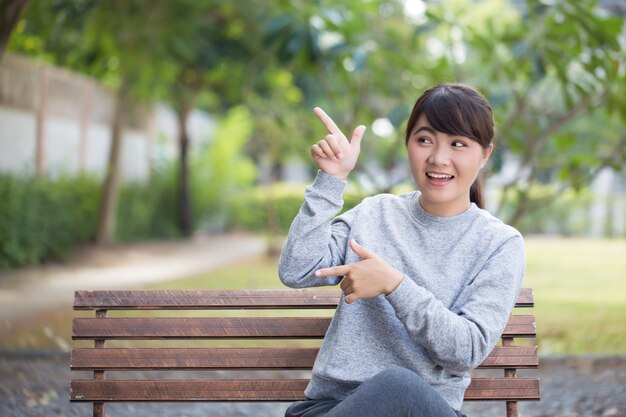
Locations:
(98, 409)
(511, 409)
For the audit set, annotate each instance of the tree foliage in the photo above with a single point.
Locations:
(553, 71)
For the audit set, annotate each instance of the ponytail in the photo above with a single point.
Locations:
(476, 192)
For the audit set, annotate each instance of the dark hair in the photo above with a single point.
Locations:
(457, 109)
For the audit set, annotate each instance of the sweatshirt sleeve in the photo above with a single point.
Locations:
(315, 240)
(459, 339)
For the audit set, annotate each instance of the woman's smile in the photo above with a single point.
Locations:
(439, 179)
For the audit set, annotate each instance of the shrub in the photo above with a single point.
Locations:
(42, 218)
(250, 210)
(222, 170)
(147, 211)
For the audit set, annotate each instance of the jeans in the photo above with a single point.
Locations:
(394, 392)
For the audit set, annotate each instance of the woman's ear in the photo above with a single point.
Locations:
(486, 155)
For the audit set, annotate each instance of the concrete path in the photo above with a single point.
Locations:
(31, 291)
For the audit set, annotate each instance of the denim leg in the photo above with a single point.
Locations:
(310, 408)
(394, 392)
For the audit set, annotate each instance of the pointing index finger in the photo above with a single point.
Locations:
(333, 271)
(327, 121)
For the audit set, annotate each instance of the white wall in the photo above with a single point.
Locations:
(17, 140)
(69, 102)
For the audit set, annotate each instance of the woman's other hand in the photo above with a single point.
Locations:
(334, 154)
(367, 278)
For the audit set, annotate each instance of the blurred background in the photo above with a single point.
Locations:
(132, 121)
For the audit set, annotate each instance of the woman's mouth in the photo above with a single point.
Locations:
(437, 178)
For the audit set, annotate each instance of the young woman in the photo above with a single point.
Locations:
(429, 278)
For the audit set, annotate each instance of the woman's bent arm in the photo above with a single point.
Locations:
(316, 241)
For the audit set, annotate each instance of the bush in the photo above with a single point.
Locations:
(147, 211)
(43, 218)
(222, 170)
(250, 210)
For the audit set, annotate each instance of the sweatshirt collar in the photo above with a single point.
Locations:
(424, 217)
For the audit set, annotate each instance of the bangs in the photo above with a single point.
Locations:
(456, 110)
(453, 114)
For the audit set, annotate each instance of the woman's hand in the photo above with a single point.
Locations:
(334, 154)
(368, 278)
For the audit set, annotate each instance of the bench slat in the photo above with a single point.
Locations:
(525, 298)
(205, 299)
(233, 328)
(510, 389)
(201, 328)
(520, 326)
(248, 358)
(263, 390)
(512, 357)
(193, 358)
(188, 390)
(216, 299)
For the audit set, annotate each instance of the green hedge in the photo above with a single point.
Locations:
(250, 210)
(147, 211)
(40, 219)
(44, 218)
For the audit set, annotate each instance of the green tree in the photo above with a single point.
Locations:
(547, 68)
(10, 12)
(356, 60)
(209, 69)
(222, 169)
(553, 71)
(119, 42)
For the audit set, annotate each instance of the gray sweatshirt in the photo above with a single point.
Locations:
(462, 275)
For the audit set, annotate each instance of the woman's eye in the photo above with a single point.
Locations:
(458, 144)
(423, 140)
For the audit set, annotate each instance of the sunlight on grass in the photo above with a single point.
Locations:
(580, 294)
(256, 273)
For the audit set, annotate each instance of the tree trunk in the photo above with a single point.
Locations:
(10, 12)
(273, 228)
(108, 204)
(185, 216)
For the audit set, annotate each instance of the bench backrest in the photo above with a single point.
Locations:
(246, 346)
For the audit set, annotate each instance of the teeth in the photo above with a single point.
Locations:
(439, 176)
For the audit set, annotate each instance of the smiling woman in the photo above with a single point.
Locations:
(428, 278)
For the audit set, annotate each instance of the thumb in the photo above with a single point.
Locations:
(357, 135)
(360, 250)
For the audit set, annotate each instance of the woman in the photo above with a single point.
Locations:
(429, 278)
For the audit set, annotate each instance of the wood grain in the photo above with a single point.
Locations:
(223, 299)
(485, 389)
(247, 358)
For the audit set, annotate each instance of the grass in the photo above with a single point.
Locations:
(579, 289)
(580, 294)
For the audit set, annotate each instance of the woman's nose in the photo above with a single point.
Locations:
(439, 156)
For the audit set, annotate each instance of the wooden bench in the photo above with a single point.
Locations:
(125, 325)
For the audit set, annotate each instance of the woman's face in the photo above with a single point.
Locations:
(444, 168)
